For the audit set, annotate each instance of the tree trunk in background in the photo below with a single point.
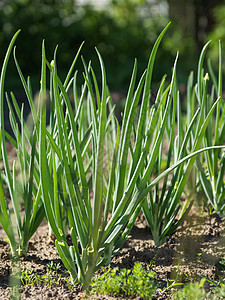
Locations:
(194, 17)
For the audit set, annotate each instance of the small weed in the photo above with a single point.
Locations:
(52, 277)
(192, 291)
(28, 277)
(199, 257)
(172, 283)
(222, 264)
(136, 282)
(70, 283)
(218, 287)
(220, 291)
(53, 266)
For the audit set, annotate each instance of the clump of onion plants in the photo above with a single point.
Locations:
(101, 173)
(103, 206)
(185, 134)
(22, 179)
(211, 165)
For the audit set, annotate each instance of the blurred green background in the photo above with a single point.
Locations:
(121, 30)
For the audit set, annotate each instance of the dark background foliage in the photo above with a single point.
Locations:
(121, 30)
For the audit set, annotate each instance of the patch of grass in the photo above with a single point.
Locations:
(136, 282)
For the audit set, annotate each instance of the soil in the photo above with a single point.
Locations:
(195, 248)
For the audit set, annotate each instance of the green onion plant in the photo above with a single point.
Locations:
(163, 208)
(211, 165)
(23, 181)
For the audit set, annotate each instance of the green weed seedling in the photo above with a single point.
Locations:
(220, 291)
(191, 291)
(136, 282)
(172, 283)
(218, 288)
(199, 255)
(221, 263)
(70, 283)
(52, 276)
(29, 278)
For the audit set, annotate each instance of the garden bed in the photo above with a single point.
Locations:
(91, 177)
(195, 248)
